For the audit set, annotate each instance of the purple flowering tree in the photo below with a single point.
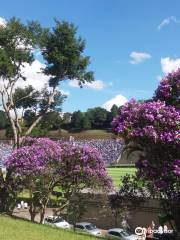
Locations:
(154, 127)
(81, 167)
(35, 166)
(42, 164)
(169, 89)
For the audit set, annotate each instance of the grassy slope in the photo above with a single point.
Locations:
(117, 173)
(88, 134)
(11, 229)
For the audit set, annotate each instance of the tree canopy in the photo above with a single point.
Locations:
(153, 127)
(63, 54)
(42, 164)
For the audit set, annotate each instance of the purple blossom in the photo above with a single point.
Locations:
(176, 167)
(169, 89)
(153, 120)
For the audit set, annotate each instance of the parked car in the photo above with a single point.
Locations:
(119, 233)
(89, 228)
(56, 221)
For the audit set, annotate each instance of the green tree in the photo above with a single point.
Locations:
(86, 124)
(64, 59)
(77, 119)
(25, 97)
(29, 117)
(67, 117)
(66, 120)
(97, 117)
(51, 121)
(62, 50)
(114, 110)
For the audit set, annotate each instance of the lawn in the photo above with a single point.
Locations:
(13, 229)
(87, 134)
(117, 173)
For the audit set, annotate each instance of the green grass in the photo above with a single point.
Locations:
(117, 173)
(13, 229)
(87, 134)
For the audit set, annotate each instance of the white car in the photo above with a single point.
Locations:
(119, 233)
(56, 221)
(89, 228)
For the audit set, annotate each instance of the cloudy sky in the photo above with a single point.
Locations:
(132, 44)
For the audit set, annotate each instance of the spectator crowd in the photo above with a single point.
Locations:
(110, 149)
(5, 150)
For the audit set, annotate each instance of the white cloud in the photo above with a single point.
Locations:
(2, 22)
(119, 100)
(169, 64)
(34, 75)
(138, 57)
(95, 85)
(167, 21)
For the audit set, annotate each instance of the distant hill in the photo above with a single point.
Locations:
(87, 134)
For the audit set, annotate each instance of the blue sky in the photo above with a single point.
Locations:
(131, 44)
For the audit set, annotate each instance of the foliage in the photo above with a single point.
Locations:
(51, 121)
(62, 51)
(86, 124)
(169, 89)
(94, 118)
(10, 187)
(151, 120)
(77, 119)
(154, 126)
(35, 165)
(25, 97)
(76, 209)
(114, 110)
(42, 164)
(4, 122)
(29, 117)
(97, 117)
(131, 191)
(82, 167)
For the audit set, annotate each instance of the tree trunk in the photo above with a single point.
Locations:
(116, 219)
(32, 211)
(43, 210)
(42, 214)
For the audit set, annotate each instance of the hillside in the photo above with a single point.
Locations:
(12, 229)
(88, 134)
